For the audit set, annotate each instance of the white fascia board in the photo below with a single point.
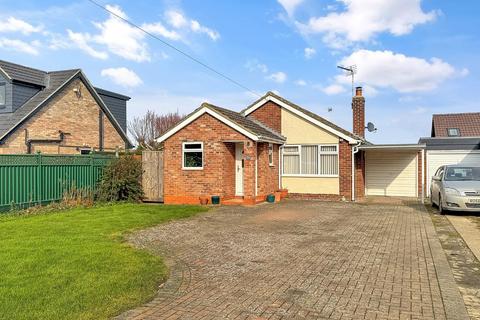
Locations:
(302, 115)
(196, 115)
(5, 74)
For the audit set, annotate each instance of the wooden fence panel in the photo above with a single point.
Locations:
(152, 177)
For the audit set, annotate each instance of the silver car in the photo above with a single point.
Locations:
(456, 188)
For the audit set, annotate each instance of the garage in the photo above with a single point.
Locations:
(392, 170)
(445, 151)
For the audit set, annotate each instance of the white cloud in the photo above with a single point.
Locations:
(290, 5)
(122, 76)
(309, 53)
(121, 38)
(301, 82)
(333, 89)
(176, 19)
(253, 65)
(279, 77)
(179, 21)
(386, 69)
(363, 19)
(198, 28)
(159, 29)
(13, 24)
(20, 46)
(81, 41)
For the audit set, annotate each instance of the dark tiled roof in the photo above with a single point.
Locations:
(308, 113)
(467, 123)
(111, 94)
(250, 125)
(24, 74)
(451, 143)
(55, 79)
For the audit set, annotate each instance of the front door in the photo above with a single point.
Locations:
(239, 169)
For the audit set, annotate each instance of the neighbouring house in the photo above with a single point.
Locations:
(58, 112)
(455, 139)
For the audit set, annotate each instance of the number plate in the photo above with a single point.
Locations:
(474, 200)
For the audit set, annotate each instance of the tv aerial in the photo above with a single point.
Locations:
(371, 127)
(350, 71)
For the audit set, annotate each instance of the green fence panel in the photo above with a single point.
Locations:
(27, 180)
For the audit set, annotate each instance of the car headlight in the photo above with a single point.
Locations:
(452, 191)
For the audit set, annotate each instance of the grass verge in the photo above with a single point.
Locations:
(74, 265)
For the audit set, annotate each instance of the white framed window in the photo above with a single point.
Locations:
(192, 156)
(310, 160)
(270, 154)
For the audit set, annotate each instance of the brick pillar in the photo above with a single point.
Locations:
(358, 109)
(419, 173)
(249, 174)
(345, 166)
(359, 175)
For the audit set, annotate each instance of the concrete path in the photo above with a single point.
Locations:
(302, 260)
(469, 231)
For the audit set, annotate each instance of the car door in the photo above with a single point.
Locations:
(436, 184)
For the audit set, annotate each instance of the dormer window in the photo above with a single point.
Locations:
(453, 132)
(2, 95)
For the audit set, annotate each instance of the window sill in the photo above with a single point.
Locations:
(192, 169)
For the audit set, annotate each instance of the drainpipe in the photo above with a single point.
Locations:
(280, 148)
(256, 169)
(354, 151)
(423, 175)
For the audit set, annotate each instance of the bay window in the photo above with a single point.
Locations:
(310, 160)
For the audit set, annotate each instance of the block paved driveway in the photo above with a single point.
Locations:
(302, 260)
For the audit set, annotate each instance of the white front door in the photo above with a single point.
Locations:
(239, 169)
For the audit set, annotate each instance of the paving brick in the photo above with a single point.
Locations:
(297, 260)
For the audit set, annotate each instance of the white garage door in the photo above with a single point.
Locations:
(435, 159)
(390, 173)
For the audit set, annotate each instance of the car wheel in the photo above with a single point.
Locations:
(432, 203)
(440, 205)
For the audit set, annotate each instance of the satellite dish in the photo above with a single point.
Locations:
(371, 127)
(330, 109)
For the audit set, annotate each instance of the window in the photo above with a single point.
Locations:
(453, 132)
(270, 154)
(192, 155)
(310, 160)
(2, 94)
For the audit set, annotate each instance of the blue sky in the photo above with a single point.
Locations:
(414, 58)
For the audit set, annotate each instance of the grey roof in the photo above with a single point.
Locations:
(451, 143)
(24, 74)
(50, 82)
(308, 113)
(255, 127)
(57, 79)
(112, 94)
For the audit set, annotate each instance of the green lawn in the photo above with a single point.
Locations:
(74, 265)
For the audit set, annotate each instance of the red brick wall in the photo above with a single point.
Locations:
(267, 175)
(270, 114)
(345, 158)
(218, 174)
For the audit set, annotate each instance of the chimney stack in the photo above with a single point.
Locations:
(358, 108)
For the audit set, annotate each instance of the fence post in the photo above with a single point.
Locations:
(39, 179)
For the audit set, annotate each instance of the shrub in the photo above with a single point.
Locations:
(121, 180)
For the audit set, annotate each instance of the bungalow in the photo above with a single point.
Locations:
(58, 112)
(272, 144)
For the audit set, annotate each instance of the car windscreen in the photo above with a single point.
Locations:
(462, 174)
